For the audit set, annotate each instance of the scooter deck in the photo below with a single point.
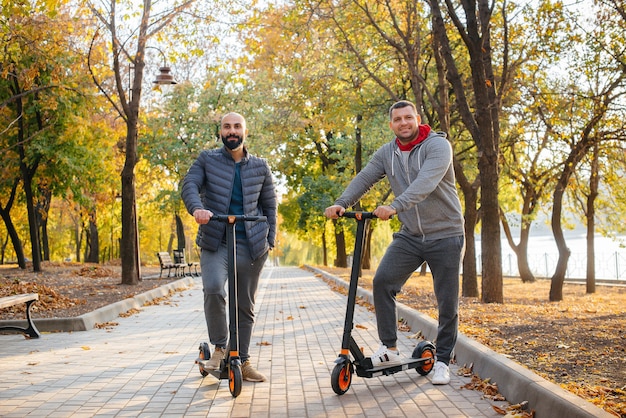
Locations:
(389, 370)
(221, 373)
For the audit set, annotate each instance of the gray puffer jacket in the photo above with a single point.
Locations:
(208, 185)
(424, 188)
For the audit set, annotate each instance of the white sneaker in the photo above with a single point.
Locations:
(386, 357)
(441, 373)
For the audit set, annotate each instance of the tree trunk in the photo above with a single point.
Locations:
(521, 253)
(469, 287)
(5, 212)
(15, 239)
(482, 121)
(45, 241)
(93, 246)
(32, 226)
(78, 236)
(129, 250)
(324, 248)
(366, 262)
(170, 243)
(27, 173)
(180, 233)
(470, 278)
(492, 291)
(521, 249)
(577, 153)
(591, 257)
(594, 183)
(423, 268)
(340, 240)
(5, 243)
(42, 209)
(558, 278)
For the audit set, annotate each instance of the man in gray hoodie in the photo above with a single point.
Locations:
(418, 165)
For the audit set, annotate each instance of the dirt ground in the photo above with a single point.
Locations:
(579, 343)
(70, 289)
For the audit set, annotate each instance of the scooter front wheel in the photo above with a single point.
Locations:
(425, 350)
(205, 354)
(235, 379)
(341, 378)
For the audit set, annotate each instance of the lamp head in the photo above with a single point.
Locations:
(164, 77)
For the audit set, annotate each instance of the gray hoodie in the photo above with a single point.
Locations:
(426, 198)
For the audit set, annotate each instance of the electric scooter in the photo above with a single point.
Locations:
(423, 357)
(230, 367)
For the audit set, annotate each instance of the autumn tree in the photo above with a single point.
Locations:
(529, 165)
(117, 63)
(319, 105)
(40, 102)
(592, 99)
(400, 27)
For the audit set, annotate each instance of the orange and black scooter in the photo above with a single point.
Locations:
(230, 367)
(423, 357)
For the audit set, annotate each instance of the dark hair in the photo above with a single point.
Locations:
(400, 105)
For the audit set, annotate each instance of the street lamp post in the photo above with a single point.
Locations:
(163, 78)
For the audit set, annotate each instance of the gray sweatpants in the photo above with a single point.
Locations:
(403, 256)
(214, 267)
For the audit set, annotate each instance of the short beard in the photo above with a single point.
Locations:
(232, 145)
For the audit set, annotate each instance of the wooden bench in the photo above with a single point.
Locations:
(168, 264)
(179, 257)
(27, 298)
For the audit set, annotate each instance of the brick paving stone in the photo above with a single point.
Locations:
(144, 365)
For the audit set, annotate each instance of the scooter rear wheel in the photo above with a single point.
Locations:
(205, 354)
(341, 377)
(235, 379)
(425, 350)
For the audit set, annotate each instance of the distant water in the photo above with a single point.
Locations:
(543, 255)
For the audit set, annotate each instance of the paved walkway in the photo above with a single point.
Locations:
(144, 365)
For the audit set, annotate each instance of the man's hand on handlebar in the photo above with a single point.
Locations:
(202, 216)
(384, 213)
(334, 211)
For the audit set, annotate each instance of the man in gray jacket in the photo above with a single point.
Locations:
(418, 165)
(230, 181)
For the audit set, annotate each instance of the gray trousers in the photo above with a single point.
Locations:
(405, 254)
(214, 267)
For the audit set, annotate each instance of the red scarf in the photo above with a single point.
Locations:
(424, 130)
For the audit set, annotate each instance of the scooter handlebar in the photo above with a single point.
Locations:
(231, 219)
(359, 215)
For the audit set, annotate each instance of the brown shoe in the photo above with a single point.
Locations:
(215, 361)
(250, 374)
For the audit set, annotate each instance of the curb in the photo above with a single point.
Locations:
(516, 382)
(104, 314)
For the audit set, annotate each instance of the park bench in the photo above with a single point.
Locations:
(165, 259)
(27, 298)
(179, 257)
